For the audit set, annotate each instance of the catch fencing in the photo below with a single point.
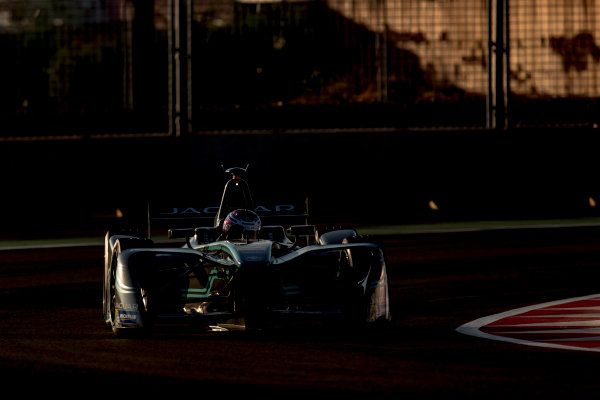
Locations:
(192, 66)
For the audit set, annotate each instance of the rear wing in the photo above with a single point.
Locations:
(236, 195)
(193, 216)
(284, 213)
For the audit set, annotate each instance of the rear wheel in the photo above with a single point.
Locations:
(336, 236)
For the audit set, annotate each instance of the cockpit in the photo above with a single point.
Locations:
(241, 224)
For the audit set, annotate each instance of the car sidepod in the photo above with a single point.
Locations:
(346, 280)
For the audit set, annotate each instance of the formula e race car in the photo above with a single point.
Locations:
(239, 271)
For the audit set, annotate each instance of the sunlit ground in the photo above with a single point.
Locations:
(477, 225)
(363, 230)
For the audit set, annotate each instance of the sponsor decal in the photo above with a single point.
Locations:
(572, 324)
(125, 306)
(191, 211)
(277, 208)
(127, 317)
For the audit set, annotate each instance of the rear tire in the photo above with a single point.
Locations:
(337, 236)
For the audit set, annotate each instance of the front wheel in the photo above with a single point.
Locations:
(115, 316)
(112, 309)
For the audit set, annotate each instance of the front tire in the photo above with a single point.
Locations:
(111, 301)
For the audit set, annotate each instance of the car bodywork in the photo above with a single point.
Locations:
(290, 272)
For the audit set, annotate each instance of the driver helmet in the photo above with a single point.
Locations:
(241, 224)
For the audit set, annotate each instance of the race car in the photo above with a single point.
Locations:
(238, 272)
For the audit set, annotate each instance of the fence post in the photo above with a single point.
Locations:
(498, 64)
(180, 67)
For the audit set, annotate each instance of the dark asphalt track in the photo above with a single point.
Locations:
(53, 338)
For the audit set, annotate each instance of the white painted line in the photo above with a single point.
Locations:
(474, 328)
(47, 246)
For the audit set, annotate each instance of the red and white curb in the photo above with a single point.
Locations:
(572, 324)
